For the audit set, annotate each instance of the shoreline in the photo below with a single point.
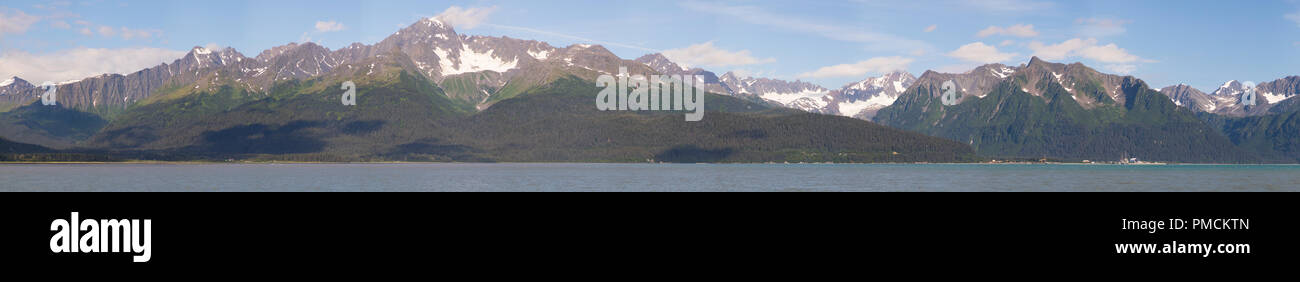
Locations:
(763, 163)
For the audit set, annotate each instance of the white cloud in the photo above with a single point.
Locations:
(1019, 30)
(465, 18)
(568, 36)
(931, 28)
(875, 41)
(123, 32)
(60, 24)
(1007, 43)
(328, 26)
(743, 73)
(705, 54)
(81, 62)
(956, 68)
(978, 52)
(1109, 53)
(107, 31)
(861, 69)
(15, 21)
(129, 34)
(214, 46)
(1007, 6)
(1295, 17)
(1094, 27)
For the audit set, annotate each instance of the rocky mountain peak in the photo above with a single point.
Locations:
(1187, 96)
(14, 85)
(202, 57)
(1230, 88)
(660, 63)
(16, 82)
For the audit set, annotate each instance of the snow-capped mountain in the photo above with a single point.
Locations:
(663, 65)
(488, 64)
(862, 99)
(437, 51)
(14, 85)
(16, 91)
(972, 84)
(797, 94)
(859, 99)
(1227, 99)
(1230, 88)
(1276, 91)
(1085, 86)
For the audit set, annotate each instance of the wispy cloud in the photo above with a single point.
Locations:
(328, 26)
(875, 41)
(1007, 6)
(1086, 48)
(571, 37)
(861, 69)
(1295, 17)
(463, 18)
(1122, 68)
(705, 54)
(1117, 59)
(81, 62)
(123, 32)
(1096, 27)
(1020, 30)
(15, 21)
(979, 52)
(126, 33)
(60, 24)
(753, 73)
(931, 28)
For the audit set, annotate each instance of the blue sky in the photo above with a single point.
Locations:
(1202, 43)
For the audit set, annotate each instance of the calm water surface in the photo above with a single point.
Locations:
(646, 177)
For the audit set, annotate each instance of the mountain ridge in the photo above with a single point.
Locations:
(1030, 112)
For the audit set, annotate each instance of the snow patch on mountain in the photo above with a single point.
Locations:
(850, 109)
(1275, 98)
(472, 61)
(1004, 72)
(789, 97)
(1227, 84)
(809, 104)
(539, 55)
(853, 108)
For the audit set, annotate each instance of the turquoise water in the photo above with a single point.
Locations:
(646, 177)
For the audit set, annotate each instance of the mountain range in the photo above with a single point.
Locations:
(429, 93)
(425, 93)
(1227, 100)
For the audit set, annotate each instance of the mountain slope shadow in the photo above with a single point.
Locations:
(434, 149)
(293, 138)
(52, 126)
